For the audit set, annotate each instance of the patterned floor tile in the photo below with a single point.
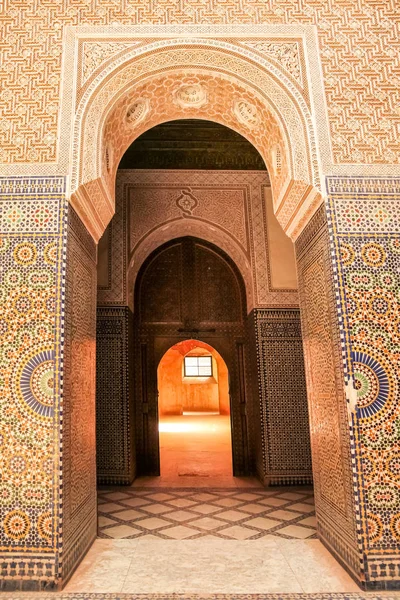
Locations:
(284, 515)
(204, 497)
(309, 500)
(238, 533)
(109, 507)
(227, 502)
(296, 532)
(254, 509)
(188, 513)
(156, 509)
(160, 496)
(152, 523)
(136, 502)
(273, 501)
(121, 531)
(181, 502)
(128, 515)
(181, 515)
(206, 509)
(309, 522)
(232, 515)
(303, 507)
(207, 523)
(116, 496)
(104, 521)
(248, 497)
(180, 532)
(263, 523)
(291, 496)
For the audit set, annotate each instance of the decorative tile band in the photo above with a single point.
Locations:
(365, 253)
(31, 205)
(361, 186)
(32, 254)
(366, 215)
(30, 186)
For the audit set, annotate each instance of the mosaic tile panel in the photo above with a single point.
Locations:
(366, 246)
(79, 451)
(330, 439)
(32, 254)
(116, 459)
(181, 513)
(285, 435)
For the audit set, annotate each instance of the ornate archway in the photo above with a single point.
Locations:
(217, 81)
(104, 66)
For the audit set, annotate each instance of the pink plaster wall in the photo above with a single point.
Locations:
(178, 394)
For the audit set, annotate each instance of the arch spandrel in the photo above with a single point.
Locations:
(166, 97)
(261, 96)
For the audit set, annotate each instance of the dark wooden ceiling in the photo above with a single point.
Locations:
(191, 144)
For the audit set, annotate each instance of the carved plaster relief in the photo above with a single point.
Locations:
(227, 208)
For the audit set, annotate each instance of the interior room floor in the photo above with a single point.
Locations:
(196, 446)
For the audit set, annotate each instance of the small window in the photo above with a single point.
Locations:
(198, 366)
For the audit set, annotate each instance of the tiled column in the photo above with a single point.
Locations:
(47, 326)
(116, 456)
(348, 267)
(78, 501)
(32, 254)
(280, 429)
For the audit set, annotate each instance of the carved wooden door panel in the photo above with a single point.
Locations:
(188, 289)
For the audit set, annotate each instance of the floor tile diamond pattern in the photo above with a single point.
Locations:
(188, 514)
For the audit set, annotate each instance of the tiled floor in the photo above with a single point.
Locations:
(150, 565)
(199, 530)
(196, 541)
(238, 514)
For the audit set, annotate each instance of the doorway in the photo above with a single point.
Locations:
(188, 287)
(194, 413)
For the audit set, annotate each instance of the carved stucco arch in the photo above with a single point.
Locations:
(195, 228)
(101, 133)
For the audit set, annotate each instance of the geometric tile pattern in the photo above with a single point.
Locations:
(115, 454)
(366, 245)
(31, 338)
(330, 442)
(359, 46)
(181, 513)
(78, 425)
(285, 433)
